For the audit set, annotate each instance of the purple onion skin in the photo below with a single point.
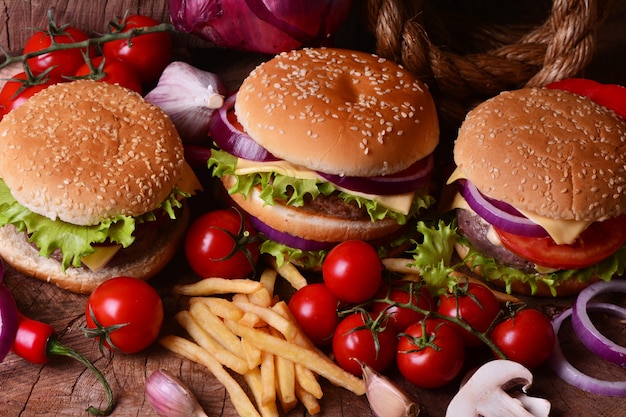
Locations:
(8, 321)
(269, 27)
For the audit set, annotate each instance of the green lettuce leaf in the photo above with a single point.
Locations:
(432, 256)
(613, 266)
(74, 241)
(292, 191)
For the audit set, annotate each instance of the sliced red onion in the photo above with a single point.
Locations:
(288, 239)
(499, 213)
(234, 140)
(416, 177)
(566, 371)
(588, 333)
(8, 317)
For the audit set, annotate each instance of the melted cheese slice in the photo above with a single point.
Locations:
(561, 231)
(97, 260)
(102, 256)
(400, 202)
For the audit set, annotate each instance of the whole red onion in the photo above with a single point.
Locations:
(265, 26)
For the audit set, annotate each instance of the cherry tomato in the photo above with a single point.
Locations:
(125, 313)
(433, 361)
(222, 243)
(63, 62)
(611, 96)
(15, 93)
(395, 300)
(315, 310)
(476, 305)
(355, 340)
(596, 243)
(112, 71)
(526, 337)
(148, 54)
(352, 271)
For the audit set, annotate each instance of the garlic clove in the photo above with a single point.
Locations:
(170, 397)
(386, 399)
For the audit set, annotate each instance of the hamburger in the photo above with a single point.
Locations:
(541, 201)
(326, 145)
(92, 183)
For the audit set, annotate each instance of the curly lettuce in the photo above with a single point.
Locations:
(74, 241)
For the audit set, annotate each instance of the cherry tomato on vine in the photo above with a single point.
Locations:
(431, 361)
(315, 310)
(476, 305)
(14, 92)
(352, 271)
(149, 54)
(526, 337)
(112, 71)
(63, 62)
(355, 338)
(125, 313)
(390, 299)
(222, 243)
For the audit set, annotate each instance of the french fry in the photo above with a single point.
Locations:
(206, 341)
(221, 307)
(253, 353)
(308, 400)
(195, 353)
(300, 338)
(261, 298)
(268, 378)
(214, 326)
(285, 383)
(255, 382)
(269, 316)
(308, 381)
(268, 279)
(289, 271)
(215, 286)
(310, 358)
(399, 265)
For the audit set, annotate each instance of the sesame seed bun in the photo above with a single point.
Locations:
(548, 152)
(340, 112)
(84, 151)
(143, 259)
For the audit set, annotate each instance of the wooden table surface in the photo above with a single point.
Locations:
(64, 388)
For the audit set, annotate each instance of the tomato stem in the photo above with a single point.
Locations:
(54, 347)
(134, 32)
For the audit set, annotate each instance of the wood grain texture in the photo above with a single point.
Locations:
(64, 388)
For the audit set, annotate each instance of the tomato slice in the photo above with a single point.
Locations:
(596, 243)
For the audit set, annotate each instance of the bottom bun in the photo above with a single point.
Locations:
(566, 288)
(140, 261)
(309, 225)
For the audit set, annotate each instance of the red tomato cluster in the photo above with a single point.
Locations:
(130, 63)
(365, 318)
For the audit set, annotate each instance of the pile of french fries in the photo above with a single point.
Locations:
(241, 326)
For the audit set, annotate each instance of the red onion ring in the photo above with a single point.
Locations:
(288, 239)
(499, 213)
(8, 317)
(233, 140)
(566, 371)
(415, 177)
(588, 333)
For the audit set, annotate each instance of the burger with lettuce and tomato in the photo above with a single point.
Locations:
(92, 186)
(325, 145)
(541, 201)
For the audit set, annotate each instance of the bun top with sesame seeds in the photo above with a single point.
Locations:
(339, 111)
(547, 152)
(85, 151)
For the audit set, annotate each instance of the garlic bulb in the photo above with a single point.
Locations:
(189, 96)
(386, 399)
(170, 397)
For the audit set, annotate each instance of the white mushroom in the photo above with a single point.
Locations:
(486, 393)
